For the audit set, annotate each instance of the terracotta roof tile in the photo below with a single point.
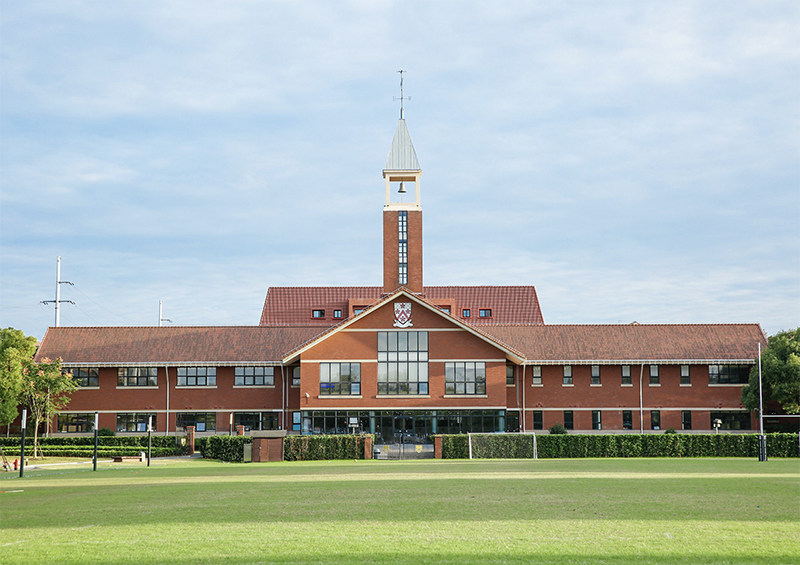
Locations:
(656, 342)
(171, 344)
(292, 306)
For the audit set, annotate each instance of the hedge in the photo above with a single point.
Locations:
(66, 451)
(224, 448)
(512, 446)
(168, 445)
(316, 448)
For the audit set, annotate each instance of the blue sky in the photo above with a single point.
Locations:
(632, 160)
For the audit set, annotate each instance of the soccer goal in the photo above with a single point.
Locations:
(502, 446)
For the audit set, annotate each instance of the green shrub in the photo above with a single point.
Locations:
(558, 429)
(106, 432)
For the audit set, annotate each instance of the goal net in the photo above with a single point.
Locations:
(502, 446)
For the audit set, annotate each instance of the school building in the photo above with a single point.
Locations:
(405, 360)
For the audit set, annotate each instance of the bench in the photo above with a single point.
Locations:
(120, 458)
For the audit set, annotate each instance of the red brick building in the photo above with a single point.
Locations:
(405, 359)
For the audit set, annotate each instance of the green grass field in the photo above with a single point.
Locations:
(490, 511)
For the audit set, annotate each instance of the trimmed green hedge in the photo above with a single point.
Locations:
(168, 445)
(224, 448)
(315, 448)
(102, 453)
(511, 446)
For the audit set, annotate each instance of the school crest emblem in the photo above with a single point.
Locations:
(402, 315)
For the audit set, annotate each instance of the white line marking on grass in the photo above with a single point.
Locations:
(7, 491)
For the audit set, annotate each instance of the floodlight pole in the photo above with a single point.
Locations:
(149, 438)
(762, 439)
(94, 457)
(22, 443)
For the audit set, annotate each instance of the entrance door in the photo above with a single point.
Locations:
(403, 429)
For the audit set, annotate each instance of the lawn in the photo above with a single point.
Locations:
(183, 512)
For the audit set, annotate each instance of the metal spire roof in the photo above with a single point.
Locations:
(402, 156)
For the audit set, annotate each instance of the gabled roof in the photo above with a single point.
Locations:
(404, 293)
(402, 156)
(633, 342)
(291, 306)
(150, 345)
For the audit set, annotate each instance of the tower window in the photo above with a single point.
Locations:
(402, 252)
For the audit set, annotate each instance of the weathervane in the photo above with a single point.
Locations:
(401, 98)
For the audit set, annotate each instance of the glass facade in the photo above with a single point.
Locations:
(403, 363)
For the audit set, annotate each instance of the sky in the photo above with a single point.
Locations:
(634, 161)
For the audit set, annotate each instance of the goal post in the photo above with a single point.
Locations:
(502, 445)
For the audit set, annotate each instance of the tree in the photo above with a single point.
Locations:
(780, 374)
(15, 351)
(45, 390)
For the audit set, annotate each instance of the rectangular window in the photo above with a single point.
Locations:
(731, 420)
(465, 313)
(137, 376)
(83, 376)
(318, 313)
(728, 374)
(485, 313)
(596, 420)
(465, 377)
(202, 421)
(296, 375)
(537, 375)
(596, 376)
(568, 423)
(626, 374)
(296, 416)
(134, 421)
(686, 419)
(510, 375)
(402, 363)
(627, 420)
(537, 420)
(567, 374)
(254, 376)
(685, 380)
(654, 380)
(655, 419)
(337, 379)
(256, 421)
(402, 255)
(197, 376)
(337, 313)
(76, 423)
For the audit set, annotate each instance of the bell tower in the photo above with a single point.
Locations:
(402, 213)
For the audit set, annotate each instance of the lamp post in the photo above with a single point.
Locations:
(762, 439)
(22, 448)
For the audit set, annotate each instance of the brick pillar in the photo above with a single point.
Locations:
(239, 430)
(190, 438)
(437, 447)
(367, 447)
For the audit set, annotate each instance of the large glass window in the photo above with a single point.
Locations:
(258, 421)
(86, 376)
(137, 376)
(732, 420)
(134, 421)
(254, 376)
(728, 374)
(76, 423)
(197, 376)
(465, 377)
(402, 362)
(339, 379)
(202, 421)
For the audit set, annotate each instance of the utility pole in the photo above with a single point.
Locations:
(58, 300)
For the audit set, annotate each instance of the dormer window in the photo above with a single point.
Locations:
(485, 312)
(466, 313)
(318, 313)
(337, 313)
